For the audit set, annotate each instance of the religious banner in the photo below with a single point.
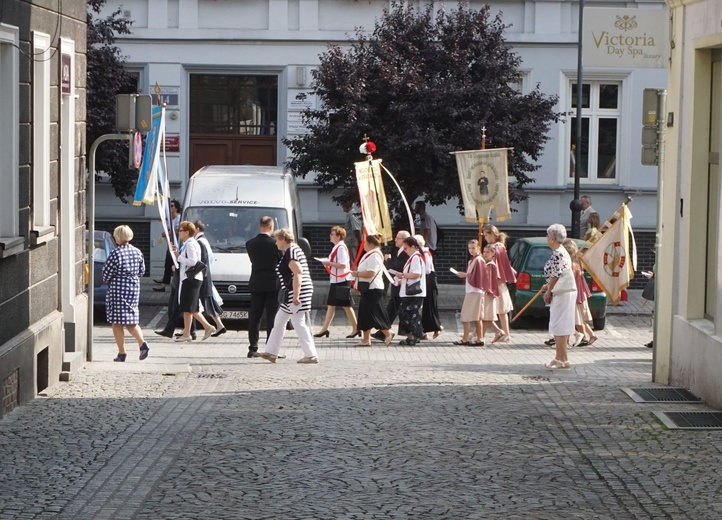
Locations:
(484, 183)
(374, 208)
(609, 261)
(147, 187)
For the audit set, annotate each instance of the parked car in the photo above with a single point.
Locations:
(104, 243)
(528, 256)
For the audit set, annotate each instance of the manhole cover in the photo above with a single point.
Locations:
(536, 378)
(691, 420)
(661, 395)
(211, 376)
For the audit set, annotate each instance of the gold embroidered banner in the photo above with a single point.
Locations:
(484, 183)
(374, 208)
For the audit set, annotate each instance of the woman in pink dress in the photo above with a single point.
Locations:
(507, 275)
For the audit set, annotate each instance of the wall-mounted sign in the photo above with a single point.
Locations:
(168, 95)
(65, 73)
(295, 123)
(308, 101)
(625, 38)
(172, 143)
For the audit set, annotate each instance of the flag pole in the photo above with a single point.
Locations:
(481, 223)
(518, 314)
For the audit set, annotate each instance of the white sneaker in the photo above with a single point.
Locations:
(312, 360)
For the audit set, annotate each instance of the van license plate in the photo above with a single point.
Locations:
(234, 315)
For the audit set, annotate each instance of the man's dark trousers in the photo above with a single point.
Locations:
(263, 286)
(261, 301)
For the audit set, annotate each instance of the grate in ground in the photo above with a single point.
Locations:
(210, 375)
(691, 420)
(536, 378)
(662, 395)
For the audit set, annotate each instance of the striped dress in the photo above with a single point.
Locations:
(294, 252)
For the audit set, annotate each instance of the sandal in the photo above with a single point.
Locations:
(498, 336)
(363, 344)
(555, 364)
(592, 339)
(461, 342)
(551, 342)
(476, 343)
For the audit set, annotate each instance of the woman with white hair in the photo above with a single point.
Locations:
(560, 295)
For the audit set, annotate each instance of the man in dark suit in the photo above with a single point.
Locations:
(395, 262)
(263, 285)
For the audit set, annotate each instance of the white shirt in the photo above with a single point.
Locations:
(339, 254)
(190, 255)
(373, 261)
(415, 264)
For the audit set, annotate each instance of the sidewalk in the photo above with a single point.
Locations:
(450, 298)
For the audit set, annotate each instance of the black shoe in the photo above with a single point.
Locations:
(218, 332)
(165, 334)
(252, 354)
(158, 281)
(650, 344)
(193, 335)
(354, 334)
(144, 351)
(323, 334)
(120, 358)
(159, 289)
(550, 342)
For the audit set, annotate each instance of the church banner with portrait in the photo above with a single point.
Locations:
(374, 208)
(484, 181)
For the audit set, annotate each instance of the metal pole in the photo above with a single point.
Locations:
(90, 211)
(659, 350)
(576, 204)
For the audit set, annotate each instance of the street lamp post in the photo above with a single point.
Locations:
(576, 204)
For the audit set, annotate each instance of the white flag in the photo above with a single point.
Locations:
(609, 260)
(484, 183)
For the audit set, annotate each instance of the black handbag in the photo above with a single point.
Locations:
(283, 296)
(363, 287)
(412, 289)
(193, 270)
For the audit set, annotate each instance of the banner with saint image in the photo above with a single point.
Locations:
(484, 181)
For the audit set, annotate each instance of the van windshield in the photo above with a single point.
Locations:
(228, 228)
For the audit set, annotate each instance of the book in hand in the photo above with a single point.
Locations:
(453, 270)
(322, 260)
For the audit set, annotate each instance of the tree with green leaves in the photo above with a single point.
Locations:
(421, 85)
(107, 77)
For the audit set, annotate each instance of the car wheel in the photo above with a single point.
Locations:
(599, 323)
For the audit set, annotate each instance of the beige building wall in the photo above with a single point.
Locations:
(689, 301)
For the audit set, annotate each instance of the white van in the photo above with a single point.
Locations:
(230, 201)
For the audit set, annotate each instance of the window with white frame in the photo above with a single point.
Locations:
(41, 132)
(601, 118)
(9, 129)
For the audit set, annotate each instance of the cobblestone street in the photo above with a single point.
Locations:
(199, 431)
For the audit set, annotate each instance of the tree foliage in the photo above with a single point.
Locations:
(421, 85)
(106, 78)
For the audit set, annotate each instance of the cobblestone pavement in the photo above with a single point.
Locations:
(199, 431)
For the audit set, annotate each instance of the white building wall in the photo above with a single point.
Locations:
(173, 38)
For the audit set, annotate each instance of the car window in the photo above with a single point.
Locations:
(538, 256)
(516, 253)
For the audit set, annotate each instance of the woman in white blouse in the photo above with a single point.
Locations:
(371, 311)
(339, 292)
(413, 291)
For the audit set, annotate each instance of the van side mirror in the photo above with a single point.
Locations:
(305, 246)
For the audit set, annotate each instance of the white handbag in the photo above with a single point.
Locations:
(565, 283)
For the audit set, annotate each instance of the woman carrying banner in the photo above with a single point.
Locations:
(560, 295)
(339, 292)
(507, 275)
(371, 309)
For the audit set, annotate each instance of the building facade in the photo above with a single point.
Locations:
(688, 344)
(42, 210)
(230, 73)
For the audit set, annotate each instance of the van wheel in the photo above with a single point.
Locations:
(599, 323)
